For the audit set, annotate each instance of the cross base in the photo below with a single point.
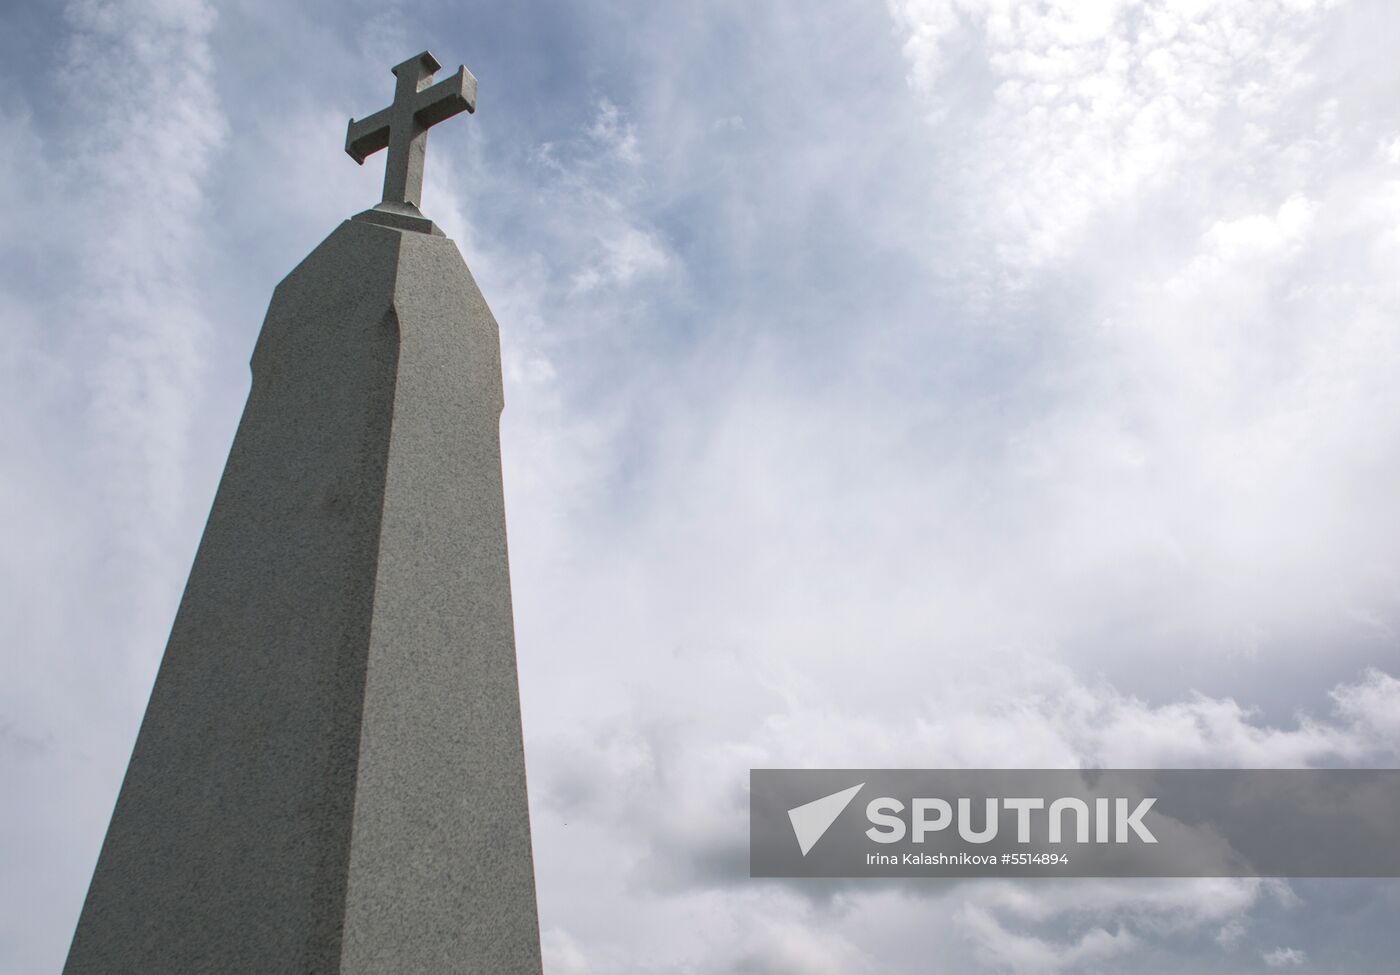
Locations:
(401, 216)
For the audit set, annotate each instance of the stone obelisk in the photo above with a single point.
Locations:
(330, 776)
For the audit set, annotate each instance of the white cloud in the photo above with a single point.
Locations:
(1090, 106)
(671, 803)
(615, 133)
(562, 954)
(1247, 245)
(1285, 958)
(599, 174)
(139, 158)
(1093, 919)
(627, 253)
(1006, 950)
(1200, 185)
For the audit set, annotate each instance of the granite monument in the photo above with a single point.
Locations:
(330, 775)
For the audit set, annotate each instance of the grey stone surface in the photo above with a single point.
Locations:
(404, 216)
(403, 126)
(330, 775)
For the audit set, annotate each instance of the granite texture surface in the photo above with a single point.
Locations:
(330, 774)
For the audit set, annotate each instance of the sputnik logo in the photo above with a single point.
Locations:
(811, 820)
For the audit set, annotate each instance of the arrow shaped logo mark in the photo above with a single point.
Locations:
(811, 820)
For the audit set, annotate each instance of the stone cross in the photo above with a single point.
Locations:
(403, 126)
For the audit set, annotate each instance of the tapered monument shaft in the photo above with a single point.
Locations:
(330, 774)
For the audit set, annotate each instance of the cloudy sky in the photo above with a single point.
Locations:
(892, 383)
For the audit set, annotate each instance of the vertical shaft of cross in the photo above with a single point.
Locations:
(408, 138)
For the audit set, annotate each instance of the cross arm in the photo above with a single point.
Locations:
(446, 99)
(368, 135)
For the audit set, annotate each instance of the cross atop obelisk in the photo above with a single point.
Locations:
(403, 126)
(330, 776)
